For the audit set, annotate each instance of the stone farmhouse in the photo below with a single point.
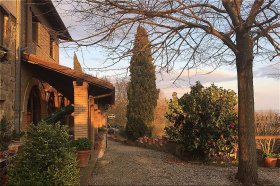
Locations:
(33, 84)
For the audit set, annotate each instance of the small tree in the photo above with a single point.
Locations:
(160, 121)
(46, 158)
(207, 123)
(142, 93)
(76, 64)
(121, 102)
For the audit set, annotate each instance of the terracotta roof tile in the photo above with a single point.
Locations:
(33, 59)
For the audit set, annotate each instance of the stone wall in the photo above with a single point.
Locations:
(42, 47)
(7, 66)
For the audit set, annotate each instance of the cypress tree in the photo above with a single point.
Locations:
(142, 93)
(76, 64)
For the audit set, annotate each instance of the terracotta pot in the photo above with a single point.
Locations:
(270, 162)
(278, 162)
(12, 152)
(5, 179)
(83, 157)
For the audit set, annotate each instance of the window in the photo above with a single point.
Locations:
(51, 46)
(34, 28)
(3, 27)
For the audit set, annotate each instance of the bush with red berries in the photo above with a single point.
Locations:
(207, 121)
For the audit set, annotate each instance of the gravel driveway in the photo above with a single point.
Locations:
(127, 165)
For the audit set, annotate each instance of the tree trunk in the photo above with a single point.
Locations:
(247, 166)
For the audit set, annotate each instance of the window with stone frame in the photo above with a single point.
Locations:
(52, 42)
(35, 28)
(3, 26)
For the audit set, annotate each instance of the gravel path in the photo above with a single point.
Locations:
(127, 165)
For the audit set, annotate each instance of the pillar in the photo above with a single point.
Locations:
(92, 119)
(80, 110)
(95, 117)
(99, 118)
(56, 103)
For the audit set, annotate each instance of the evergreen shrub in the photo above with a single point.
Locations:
(205, 121)
(46, 158)
(5, 134)
(142, 92)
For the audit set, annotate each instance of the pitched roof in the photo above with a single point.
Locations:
(51, 13)
(62, 78)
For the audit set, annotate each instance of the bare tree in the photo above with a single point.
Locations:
(192, 33)
(121, 102)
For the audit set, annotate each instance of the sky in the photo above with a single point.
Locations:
(266, 87)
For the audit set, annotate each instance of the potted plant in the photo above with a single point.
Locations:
(270, 160)
(83, 147)
(278, 160)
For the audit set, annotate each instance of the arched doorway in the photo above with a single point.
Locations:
(34, 105)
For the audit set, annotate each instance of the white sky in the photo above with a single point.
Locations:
(266, 88)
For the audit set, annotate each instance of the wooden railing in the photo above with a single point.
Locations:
(267, 137)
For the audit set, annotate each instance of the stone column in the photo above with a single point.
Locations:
(103, 119)
(95, 118)
(92, 119)
(56, 104)
(99, 118)
(80, 110)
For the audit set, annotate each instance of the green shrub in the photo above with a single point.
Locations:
(46, 158)
(272, 155)
(81, 144)
(122, 132)
(136, 129)
(176, 117)
(173, 134)
(206, 121)
(5, 134)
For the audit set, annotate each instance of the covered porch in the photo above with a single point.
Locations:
(89, 95)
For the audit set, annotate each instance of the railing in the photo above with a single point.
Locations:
(267, 137)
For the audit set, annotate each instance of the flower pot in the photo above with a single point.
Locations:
(12, 152)
(2, 156)
(5, 179)
(278, 162)
(270, 162)
(83, 157)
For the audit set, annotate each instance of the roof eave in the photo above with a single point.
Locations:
(58, 24)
